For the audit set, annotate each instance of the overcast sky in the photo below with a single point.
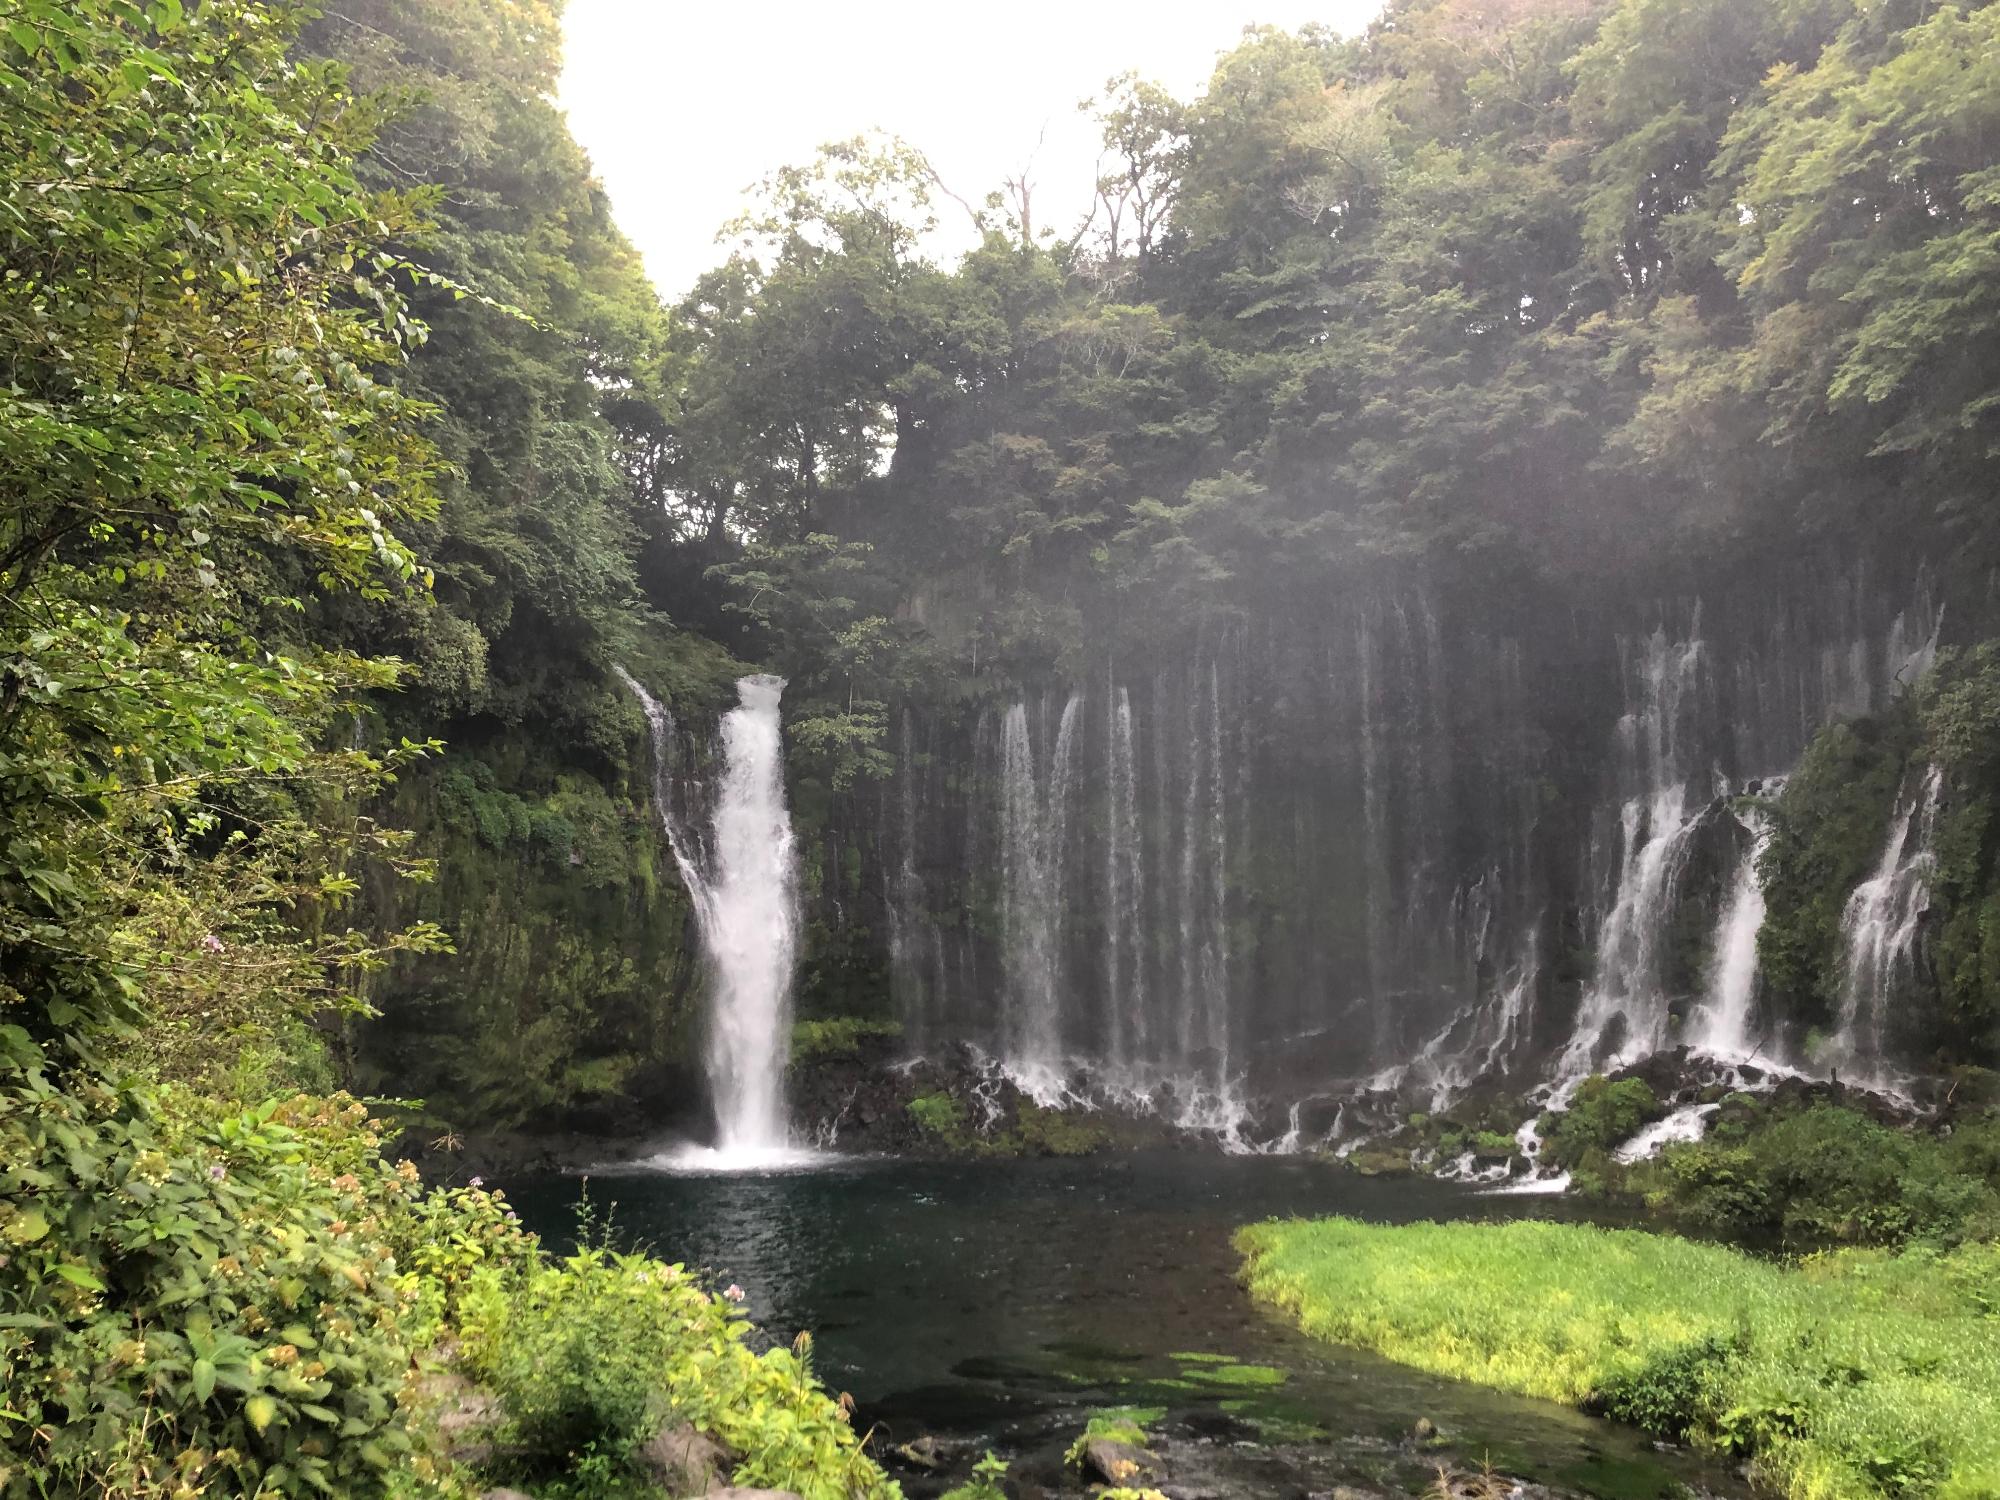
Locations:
(683, 104)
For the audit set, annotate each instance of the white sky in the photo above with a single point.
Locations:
(683, 104)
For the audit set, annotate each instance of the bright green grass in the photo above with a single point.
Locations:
(1857, 1374)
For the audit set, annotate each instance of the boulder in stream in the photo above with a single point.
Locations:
(1118, 1464)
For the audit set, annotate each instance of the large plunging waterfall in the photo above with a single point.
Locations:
(744, 886)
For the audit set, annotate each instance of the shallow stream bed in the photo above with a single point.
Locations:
(996, 1304)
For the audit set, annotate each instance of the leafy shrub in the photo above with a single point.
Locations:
(1601, 1115)
(577, 1354)
(939, 1115)
(840, 1036)
(200, 1303)
(985, 1484)
(446, 1238)
(1827, 1175)
(592, 1354)
(1677, 1391)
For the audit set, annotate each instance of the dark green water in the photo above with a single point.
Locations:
(995, 1304)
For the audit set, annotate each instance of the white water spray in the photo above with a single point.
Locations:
(1689, 1123)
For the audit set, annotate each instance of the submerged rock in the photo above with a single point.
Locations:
(925, 1453)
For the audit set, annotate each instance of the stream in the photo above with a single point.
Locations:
(996, 1304)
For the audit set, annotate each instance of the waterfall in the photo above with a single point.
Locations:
(1375, 852)
(754, 937)
(1688, 1123)
(746, 907)
(917, 970)
(1655, 826)
(1125, 1029)
(1215, 942)
(1475, 1043)
(1034, 844)
(1880, 928)
(1724, 1028)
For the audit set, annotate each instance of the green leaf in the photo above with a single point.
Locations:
(260, 1410)
(29, 1225)
(81, 1276)
(203, 1376)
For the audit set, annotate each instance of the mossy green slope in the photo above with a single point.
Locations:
(1857, 1374)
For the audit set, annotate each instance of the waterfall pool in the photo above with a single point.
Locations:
(996, 1304)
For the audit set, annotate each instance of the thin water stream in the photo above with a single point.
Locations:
(995, 1304)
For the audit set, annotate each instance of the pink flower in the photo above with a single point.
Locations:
(478, 1182)
(733, 1292)
(213, 944)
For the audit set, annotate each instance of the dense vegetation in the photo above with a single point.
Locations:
(214, 462)
(1857, 1374)
(1831, 823)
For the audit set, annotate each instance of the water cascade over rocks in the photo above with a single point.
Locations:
(742, 879)
(1624, 1014)
(1381, 847)
(1879, 926)
(1724, 1027)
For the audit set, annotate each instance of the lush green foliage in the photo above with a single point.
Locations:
(1960, 709)
(202, 1303)
(200, 298)
(1825, 1175)
(1829, 827)
(1858, 1374)
(1601, 1114)
(592, 1354)
(1573, 283)
(943, 1122)
(840, 1036)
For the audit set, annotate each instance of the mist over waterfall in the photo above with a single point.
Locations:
(742, 879)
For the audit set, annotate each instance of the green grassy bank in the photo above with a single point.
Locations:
(1859, 1373)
